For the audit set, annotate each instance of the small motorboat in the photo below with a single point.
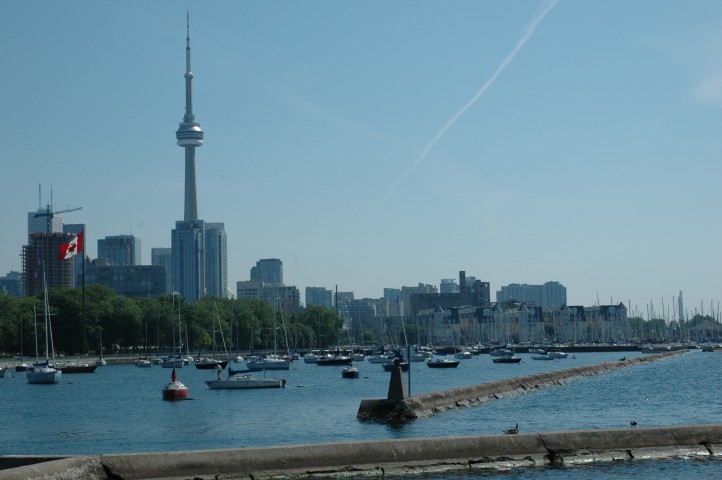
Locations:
(542, 357)
(507, 359)
(175, 390)
(349, 372)
(143, 363)
(74, 367)
(442, 363)
(240, 380)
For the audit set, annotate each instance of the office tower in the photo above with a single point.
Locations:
(146, 281)
(216, 260)
(187, 245)
(164, 257)
(448, 285)
(268, 270)
(120, 249)
(12, 284)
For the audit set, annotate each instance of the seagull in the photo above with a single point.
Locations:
(633, 423)
(512, 431)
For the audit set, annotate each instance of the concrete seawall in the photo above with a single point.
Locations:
(427, 404)
(384, 457)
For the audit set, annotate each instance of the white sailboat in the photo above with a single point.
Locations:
(44, 372)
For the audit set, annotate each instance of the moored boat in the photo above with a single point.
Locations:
(3, 371)
(245, 380)
(75, 367)
(269, 363)
(349, 372)
(209, 363)
(542, 357)
(507, 359)
(143, 363)
(442, 363)
(175, 390)
(334, 360)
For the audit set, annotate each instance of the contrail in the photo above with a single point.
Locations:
(528, 32)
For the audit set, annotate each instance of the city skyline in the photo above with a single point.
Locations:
(522, 142)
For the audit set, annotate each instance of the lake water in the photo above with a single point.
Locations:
(119, 409)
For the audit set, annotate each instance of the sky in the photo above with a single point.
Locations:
(373, 145)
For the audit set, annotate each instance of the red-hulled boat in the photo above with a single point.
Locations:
(175, 390)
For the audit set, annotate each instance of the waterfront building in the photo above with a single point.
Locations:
(551, 295)
(129, 280)
(475, 295)
(268, 270)
(164, 256)
(120, 249)
(284, 297)
(448, 285)
(319, 296)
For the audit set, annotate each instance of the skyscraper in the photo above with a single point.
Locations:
(268, 270)
(164, 257)
(216, 260)
(120, 249)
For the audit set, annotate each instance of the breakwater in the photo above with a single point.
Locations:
(401, 407)
(387, 457)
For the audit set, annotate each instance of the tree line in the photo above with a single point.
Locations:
(164, 324)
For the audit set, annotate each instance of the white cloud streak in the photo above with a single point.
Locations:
(528, 32)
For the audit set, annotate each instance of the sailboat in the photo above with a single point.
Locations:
(144, 362)
(43, 372)
(211, 363)
(275, 361)
(172, 361)
(22, 366)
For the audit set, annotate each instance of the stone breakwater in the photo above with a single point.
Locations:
(385, 457)
(427, 404)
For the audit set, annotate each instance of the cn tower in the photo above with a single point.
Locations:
(189, 136)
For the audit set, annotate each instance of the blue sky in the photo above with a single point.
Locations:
(345, 137)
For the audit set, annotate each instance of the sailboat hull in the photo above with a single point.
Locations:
(43, 375)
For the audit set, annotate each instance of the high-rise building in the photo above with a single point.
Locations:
(448, 285)
(40, 259)
(187, 245)
(164, 257)
(44, 221)
(129, 280)
(551, 295)
(319, 296)
(216, 260)
(120, 249)
(268, 270)
(12, 284)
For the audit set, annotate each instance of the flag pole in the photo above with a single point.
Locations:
(82, 257)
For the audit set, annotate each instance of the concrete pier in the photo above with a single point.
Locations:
(425, 405)
(385, 457)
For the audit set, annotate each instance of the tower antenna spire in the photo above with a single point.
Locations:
(189, 136)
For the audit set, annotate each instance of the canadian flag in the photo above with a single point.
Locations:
(75, 246)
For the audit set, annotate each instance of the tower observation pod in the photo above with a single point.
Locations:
(189, 136)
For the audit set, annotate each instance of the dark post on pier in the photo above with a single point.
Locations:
(380, 408)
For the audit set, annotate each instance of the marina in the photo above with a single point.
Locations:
(318, 405)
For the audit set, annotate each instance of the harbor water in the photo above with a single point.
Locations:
(119, 409)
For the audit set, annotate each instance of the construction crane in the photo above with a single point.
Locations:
(49, 213)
